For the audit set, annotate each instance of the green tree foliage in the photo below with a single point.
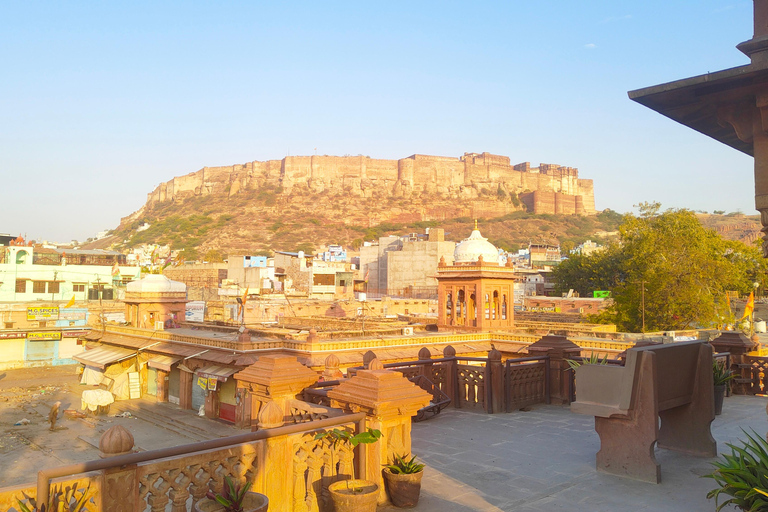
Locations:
(213, 256)
(684, 268)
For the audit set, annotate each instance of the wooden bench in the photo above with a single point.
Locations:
(672, 382)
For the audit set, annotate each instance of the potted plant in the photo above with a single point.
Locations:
(741, 475)
(59, 499)
(721, 376)
(233, 498)
(403, 481)
(352, 495)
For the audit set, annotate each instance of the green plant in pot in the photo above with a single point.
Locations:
(722, 377)
(352, 495)
(742, 476)
(233, 498)
(60, 498)
(403, 480)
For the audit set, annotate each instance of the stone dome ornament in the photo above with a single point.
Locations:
(472, 248)
(116, 441)
(156, 283)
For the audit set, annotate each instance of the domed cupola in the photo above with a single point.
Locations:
(156, 283)
(470, 249)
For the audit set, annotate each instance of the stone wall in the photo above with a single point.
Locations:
(558, 187)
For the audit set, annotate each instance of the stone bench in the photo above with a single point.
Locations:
(672, 382)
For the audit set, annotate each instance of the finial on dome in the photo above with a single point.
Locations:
(475, 223)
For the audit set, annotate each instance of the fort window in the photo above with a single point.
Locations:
(21, 286)
(38, 286)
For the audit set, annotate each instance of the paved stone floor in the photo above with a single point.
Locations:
(544, 460)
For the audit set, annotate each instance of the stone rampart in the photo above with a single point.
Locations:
(554, 188)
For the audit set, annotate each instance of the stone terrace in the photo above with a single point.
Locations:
(544, 460)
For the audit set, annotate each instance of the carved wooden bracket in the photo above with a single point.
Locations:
(739, 117)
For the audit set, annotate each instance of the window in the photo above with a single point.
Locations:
(42, 323)
(9, 325)
(21, 286)
(78, 287)
(38, 286)
(53, 287)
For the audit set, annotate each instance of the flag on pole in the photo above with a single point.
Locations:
(115, 270)
(71, 302)
(244, 298)
(367, 273)
(750, 307)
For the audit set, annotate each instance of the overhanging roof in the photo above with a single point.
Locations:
(221, 373)
(103, 356)
(162, 362)
(694, 101)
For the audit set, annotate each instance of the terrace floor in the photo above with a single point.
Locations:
(544, 460)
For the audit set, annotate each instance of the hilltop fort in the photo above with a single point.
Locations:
(548, 188)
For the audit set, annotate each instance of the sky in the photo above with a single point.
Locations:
(102, 101)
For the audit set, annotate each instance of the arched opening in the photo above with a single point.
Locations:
(472, 311)
(503, 307)
(487, 307)
(460, 306)
(449, 307)
(495, 308)
(21, 257)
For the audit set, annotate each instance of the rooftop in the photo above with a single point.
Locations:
(543, 460)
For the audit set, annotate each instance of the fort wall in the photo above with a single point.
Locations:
(549, 188)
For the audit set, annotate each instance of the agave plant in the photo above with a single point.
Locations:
(720, 374)
(592, 358)
(743, 475)
(402, 466)
(60, 499)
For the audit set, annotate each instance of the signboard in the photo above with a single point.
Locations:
(202, 382)
(134, 385)
(74, 334)
(195, 311)
(42, 313)
(212, 384)
(12, 335)
(73, 314)
(44, 336)
(601, 294)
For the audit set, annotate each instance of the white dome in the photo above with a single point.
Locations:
(156, 283)
(470, 249)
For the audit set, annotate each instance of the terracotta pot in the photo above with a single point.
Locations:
(354, 495)
(719, 395)
(403, 489)
(253, 502)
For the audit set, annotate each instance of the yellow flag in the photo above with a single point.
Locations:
(750, 307)
(71, 302)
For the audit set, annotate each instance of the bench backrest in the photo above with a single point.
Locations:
(676, 365)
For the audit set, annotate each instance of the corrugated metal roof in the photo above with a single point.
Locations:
(221, 373)
(162, 362)
(103, 356)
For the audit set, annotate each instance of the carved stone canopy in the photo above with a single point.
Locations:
(383, 394)
(554, 345)
(278, 376)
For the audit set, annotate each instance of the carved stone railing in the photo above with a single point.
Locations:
(302, 412)
(285, 463)
(526, 382)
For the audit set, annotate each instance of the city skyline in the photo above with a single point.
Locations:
(104, 102)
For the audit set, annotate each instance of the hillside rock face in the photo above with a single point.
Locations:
(545, 189)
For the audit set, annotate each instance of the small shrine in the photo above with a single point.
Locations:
(154, 299)
(476, 292)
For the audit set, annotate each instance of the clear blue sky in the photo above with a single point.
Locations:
(100, 102)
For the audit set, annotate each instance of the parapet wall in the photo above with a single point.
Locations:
(552, 188)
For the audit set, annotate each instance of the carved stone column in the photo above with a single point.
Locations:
(389, 400)
(274, 378)
(559, 349)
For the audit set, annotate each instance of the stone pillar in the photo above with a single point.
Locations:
(275, 378)
(186, 381)
(738, 344)
(451, 375)
(558, 348)
(495, 382)
(242, 408)
(389, 400)
(120, 485)
(426, 369)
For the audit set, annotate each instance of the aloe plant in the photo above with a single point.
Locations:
(232, 496)
(60, 499)
(402, 466)
(592, 358)
(743, 475)
(721, 374)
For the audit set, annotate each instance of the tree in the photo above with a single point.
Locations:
(669, 261)
(213, 256)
